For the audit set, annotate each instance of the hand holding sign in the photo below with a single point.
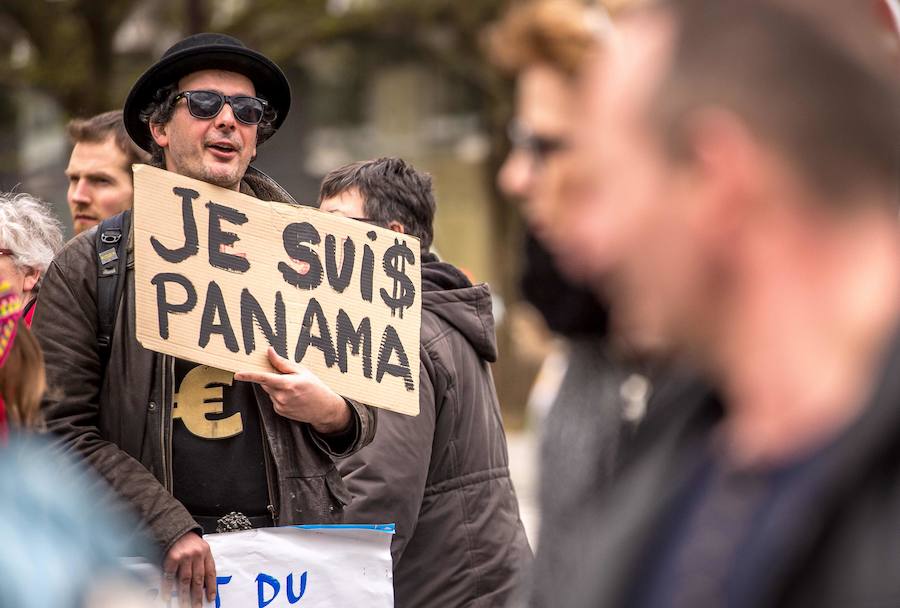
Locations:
(300, 395)
(189, 565)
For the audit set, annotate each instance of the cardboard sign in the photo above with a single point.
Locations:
(220, 276)
(311, 566)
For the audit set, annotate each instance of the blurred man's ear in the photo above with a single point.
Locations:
(396, 227)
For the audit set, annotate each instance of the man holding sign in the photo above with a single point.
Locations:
(142, 418)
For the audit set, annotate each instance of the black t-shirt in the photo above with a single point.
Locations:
(218, 463)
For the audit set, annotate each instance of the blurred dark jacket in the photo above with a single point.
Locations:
(842, 551)
(443, 476)
(120, 421)
(588, 432)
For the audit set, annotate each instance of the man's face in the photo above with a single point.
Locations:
(544, 98)
(346, 204)
(637, 230)
(100, 183)
(216, 150)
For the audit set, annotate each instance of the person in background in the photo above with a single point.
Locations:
(99, 171)
(441, 476)
(739, 167)
(30, 236)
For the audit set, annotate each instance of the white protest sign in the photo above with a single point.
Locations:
(220, 276)
(309, 566)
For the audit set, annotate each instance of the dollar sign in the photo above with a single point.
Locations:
(395, 260)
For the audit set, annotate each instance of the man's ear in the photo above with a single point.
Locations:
(725, 166)
(396, 227)
(160, 134)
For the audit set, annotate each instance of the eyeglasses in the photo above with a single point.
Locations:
(538, 146)
(207, 104)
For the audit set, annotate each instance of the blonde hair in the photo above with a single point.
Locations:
(558, 33)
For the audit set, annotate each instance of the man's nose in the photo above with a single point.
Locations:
(79, 193)
(225, 118)
(516, 176)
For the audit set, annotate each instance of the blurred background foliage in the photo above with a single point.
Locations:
(370, 78)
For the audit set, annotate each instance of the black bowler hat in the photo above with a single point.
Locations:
(205, 52)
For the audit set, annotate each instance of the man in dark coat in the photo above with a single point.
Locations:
(200, 111)
(740, 197)
(441, 476)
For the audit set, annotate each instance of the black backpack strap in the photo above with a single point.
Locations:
(112, 261)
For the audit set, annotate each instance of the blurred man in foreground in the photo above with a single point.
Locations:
(742, 177)
(99, 171)
(606, 386)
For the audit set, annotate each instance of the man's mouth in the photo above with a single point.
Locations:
(83, 217)
(222, 149)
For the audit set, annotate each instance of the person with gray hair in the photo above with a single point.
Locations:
(30, 236)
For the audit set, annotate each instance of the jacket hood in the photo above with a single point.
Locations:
(448, 294)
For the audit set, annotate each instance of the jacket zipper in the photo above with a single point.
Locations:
(267, 460)
(168, 364)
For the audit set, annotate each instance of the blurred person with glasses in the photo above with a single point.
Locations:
(201, 111)
(599, 392)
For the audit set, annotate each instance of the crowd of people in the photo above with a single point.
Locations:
(710, 190)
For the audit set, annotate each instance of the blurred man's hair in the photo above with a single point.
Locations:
(810, 76)
(392, 191)
(97, 129)
(556, 33)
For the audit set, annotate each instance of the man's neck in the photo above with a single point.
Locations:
(805, 335)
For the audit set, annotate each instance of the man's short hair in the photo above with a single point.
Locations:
(556, 33)
(97, 129)
(811, 77)
(392, 191)
(29, 229)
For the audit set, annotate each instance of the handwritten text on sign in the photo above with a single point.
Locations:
(220, 276)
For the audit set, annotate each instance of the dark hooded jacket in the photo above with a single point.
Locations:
(120, 420)
(443, 476)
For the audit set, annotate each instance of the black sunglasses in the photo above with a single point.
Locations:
(538, 146)
(207, 104)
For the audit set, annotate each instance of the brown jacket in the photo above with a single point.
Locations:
(443, 476)
(120, 422)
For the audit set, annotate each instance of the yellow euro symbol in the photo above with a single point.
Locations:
(201, 393)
